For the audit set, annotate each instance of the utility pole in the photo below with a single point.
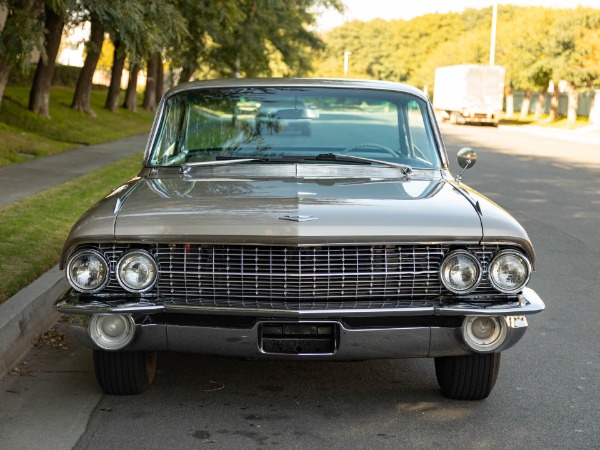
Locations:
(493, 39)
(346, 55)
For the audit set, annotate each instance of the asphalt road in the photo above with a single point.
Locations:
(547, 395)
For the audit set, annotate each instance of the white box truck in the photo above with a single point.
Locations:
(469, 93)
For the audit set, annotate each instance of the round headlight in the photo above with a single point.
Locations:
(137, 271)
(460, 272)
(509, 271)
(87, 271)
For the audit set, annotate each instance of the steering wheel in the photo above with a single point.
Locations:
(370, 146)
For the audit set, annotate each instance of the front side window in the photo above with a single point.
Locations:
(220, 123)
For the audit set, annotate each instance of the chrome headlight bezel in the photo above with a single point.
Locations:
(123, 260)
(101, 258)
(476, 264)
(520, 256)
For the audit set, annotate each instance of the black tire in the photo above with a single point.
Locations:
(469, 377)
(124, 373)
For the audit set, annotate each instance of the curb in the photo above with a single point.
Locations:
(26, 315)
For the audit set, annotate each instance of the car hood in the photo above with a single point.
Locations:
(267, 211)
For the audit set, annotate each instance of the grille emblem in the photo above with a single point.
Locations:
(298, 218)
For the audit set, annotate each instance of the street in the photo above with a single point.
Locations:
(547, 394)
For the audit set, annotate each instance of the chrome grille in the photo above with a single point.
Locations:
(322, 273)
(365, 276)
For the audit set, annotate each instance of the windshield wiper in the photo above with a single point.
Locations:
(406, 169)
(225, 160)
(185, 168)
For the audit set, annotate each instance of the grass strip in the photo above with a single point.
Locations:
(34, 229)
(25, 135)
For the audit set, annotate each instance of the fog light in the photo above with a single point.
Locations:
(484, 333)
(111, 331)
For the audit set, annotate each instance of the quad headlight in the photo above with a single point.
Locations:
(509, 271)
(87, 271)
(137, 271)
(460, 272)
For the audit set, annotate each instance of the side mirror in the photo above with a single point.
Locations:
(466, 158)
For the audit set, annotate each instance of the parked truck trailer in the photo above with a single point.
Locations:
(469, 93)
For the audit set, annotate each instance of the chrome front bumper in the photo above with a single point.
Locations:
(351, 343)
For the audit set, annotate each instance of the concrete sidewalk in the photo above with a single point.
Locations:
(29, 313)
(22, 180)
(585, 135)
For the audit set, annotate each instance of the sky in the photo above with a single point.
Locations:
(366, 10)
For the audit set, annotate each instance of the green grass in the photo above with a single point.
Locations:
(34, 229)
(562, 123)
(25, 135)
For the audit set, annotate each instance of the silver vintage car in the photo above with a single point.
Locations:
(351, 242)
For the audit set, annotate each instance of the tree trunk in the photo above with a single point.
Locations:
(237, 73)
(525, 105)
(554, 103)
(539, 105)
(5, 69)
(149, 102)
(131, 94)
(510, 103)
(19, 25)
(116, 73)
(160, 77)
(39, 96)
(83, 89)
(186, 74)
(573, 99)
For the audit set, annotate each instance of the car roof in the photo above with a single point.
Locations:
(296, 82)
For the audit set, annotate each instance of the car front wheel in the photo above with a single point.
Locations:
(470, 377)
(124, 373)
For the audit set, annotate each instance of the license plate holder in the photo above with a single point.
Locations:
(303, 338)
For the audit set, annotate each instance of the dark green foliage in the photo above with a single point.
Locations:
(534, 44)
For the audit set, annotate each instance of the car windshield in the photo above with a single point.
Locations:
(275, 124)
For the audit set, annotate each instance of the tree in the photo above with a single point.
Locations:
(130, 102)
(104, 15)
(151, 39)
(22, 33)
(212, 22)
(524, 55)
(55, 12)
(575, 49)
(154, 64)
(116, 73)
(93, 47)
(280, 26)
